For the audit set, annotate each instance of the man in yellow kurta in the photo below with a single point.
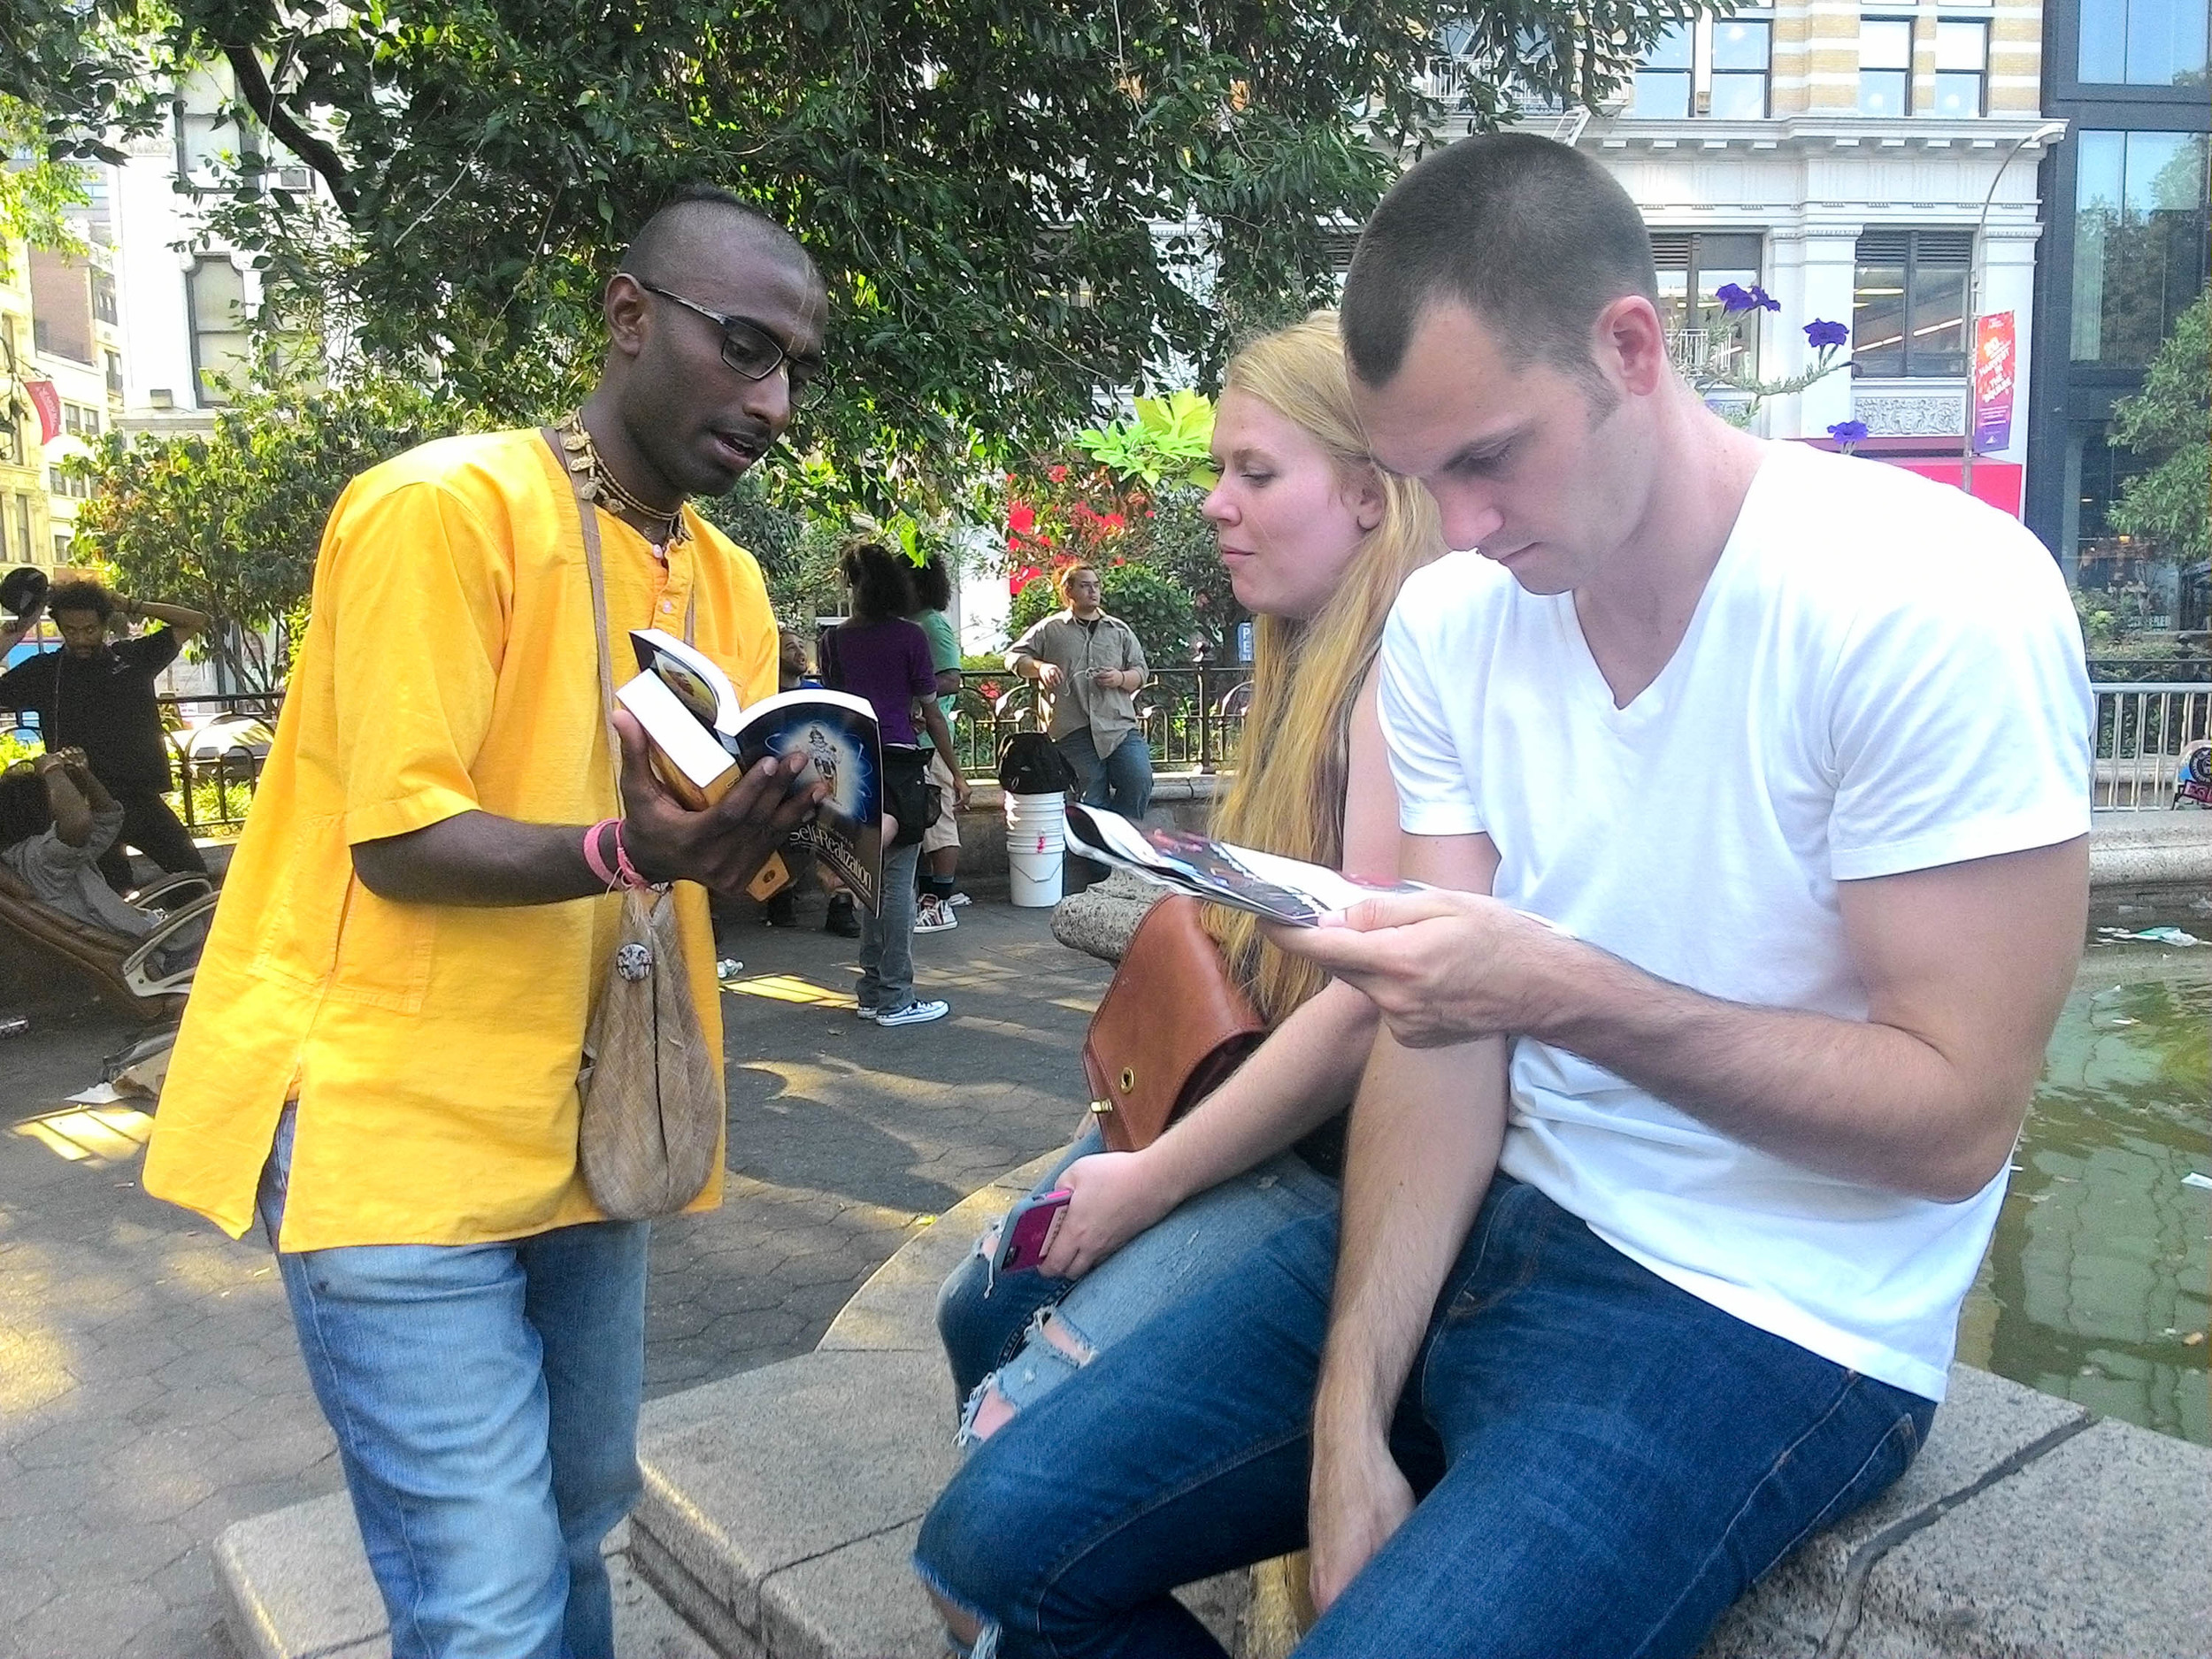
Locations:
(380, 1058)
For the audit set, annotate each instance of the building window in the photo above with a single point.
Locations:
(80, 421)
(216, 290)
(1740, 69)
(23, 526)
(1961, 78)
(1716, 66)
(61, 307)
(2142, 42)
(1662, 84)
(1693, 268)
(2139, 228)
(115, 374)
(104, 298)
(68, 485)
(1908, 303)
(1885, 67)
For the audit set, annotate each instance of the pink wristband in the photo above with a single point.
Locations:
(594, 858)
(623, 866)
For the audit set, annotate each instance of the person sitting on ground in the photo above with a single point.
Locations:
(56, 818)
(1721, 899)
(1090, 667)
(876, 653)
(98, 697)
(1316, 543)
(941, 841)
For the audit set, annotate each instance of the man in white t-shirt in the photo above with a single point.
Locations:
(1755, 783)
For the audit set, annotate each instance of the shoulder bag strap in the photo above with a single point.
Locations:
(589, 516)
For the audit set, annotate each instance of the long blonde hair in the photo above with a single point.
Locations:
(1287, 795)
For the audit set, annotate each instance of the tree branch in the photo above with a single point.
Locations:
(261, 98)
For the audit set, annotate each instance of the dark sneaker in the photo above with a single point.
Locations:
(914, 1014)
(844, 916)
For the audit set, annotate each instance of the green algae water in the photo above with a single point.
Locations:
(2096, 1286)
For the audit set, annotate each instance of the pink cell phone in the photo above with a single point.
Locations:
(1027, 1227)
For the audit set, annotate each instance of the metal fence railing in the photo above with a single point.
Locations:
(214, 760)
(1193, 716)
(2144, 730)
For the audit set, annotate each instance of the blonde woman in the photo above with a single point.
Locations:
(1317, 541)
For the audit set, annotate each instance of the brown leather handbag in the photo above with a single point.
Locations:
(1172, 1028)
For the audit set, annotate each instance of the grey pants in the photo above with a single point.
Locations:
(887, 938)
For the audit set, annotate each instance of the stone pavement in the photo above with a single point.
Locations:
(150, 1393)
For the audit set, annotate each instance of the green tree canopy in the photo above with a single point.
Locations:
(2170, 422)
(1019, 205)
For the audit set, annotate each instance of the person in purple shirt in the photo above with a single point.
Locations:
(876, 653)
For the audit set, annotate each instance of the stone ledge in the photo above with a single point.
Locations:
(294, 1585)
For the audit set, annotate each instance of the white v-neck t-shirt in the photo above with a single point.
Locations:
(1882, 675)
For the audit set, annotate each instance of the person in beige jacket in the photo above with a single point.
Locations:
(1089, 667)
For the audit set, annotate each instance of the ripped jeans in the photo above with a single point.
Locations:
(1603, 1463)
(1024, 1335)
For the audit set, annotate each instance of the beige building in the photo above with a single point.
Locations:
(1838, 155)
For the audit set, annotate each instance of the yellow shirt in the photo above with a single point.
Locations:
(449, 666)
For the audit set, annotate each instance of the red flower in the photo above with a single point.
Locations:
(1022, 578)
(1111, 522)
(1021, 518)
(989, 690)
(1057, 474)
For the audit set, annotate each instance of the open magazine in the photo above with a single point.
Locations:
(1277, 889)
(704, 739)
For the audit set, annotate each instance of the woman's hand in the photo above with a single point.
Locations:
(1115, 1197)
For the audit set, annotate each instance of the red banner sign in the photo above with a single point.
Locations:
(48, 402)
(1993, 365)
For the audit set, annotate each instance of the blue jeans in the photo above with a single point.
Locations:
(485, 1398)
(994, 1331)
(1605, 1462)
(1122, 781)
(887, 938)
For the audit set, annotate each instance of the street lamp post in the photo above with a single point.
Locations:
(2049, 129)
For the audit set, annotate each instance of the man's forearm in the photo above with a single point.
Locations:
(183, 619)
(1857, 1099)
(479, 858)
(1423, 1144)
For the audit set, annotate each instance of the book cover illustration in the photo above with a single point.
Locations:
(1285, 890)
(704, 740)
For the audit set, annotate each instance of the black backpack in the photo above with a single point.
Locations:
(1030, 763)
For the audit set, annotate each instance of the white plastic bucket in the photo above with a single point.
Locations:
(1035, 877)
(1033, 812)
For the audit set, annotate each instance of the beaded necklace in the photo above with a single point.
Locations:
(596, 483)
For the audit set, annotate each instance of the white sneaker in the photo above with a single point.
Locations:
(958, 899)
(933, 915)
(866, 1012)
(914, 1014)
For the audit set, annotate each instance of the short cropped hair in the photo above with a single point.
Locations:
(653, 251)
(80, 595)
(1533, 236)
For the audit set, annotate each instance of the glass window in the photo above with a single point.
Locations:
(1885, 67)
(2139, 229)
(1909, 304)
(2142, 42)
(1701, 335)
(1961, 69)
(1663, 83)
(216, 290)
(1740, 70)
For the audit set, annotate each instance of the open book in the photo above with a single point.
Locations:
(704, 740)
(1279, 889)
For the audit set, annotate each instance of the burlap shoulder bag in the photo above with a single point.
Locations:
(652, 1113)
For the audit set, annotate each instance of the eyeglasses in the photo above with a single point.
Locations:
(751, 350)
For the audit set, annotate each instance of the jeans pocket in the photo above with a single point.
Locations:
(1503, 1249)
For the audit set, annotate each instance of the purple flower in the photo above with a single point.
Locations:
(1848, 432)
(1826, 335)
(1734, 299)
(1763, 300)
